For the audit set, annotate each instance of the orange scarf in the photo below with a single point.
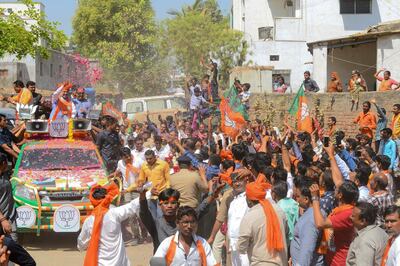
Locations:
(100, 209)
(257, 191)
(386, 253)
(169, 257)
(64, 106)
(131, 169)
(328, 232)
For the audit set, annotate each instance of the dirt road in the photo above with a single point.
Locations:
(52, 249)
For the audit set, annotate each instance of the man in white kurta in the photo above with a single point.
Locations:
(111, 247)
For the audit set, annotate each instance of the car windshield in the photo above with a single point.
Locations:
(59, 159)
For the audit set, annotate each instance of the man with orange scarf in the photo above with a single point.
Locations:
(101, 232)
(62, 104)
(184, 247)
(338, 225)
(263, 228)
(391, 254)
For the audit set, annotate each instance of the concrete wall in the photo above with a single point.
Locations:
(314, 20)
(260, 80)
(388, 54)
(331, 104)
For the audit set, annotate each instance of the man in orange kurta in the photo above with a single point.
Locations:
(366, 120)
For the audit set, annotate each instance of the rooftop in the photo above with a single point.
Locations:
(371, 33)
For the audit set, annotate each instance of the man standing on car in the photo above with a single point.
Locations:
(109, 144)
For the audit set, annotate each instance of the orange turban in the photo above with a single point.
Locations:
(257, 191)
(226, 155)
(100, 209)
(226, 177)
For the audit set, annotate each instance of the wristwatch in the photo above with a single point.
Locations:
(314, 198)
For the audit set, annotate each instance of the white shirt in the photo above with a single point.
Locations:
(111, 247)
(237, 209)
(139, 154)
(180, 259)
(394, 253)
(163, 152)
(124, 138)
(121, 166)
(363, 193)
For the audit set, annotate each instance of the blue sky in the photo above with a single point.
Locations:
(63, 10)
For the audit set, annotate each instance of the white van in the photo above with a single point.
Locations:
(137, 108)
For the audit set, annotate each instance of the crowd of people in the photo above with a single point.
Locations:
(263, 197)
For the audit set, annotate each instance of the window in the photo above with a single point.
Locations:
(51, 70)
(3, 73)
(178, 103)
(134, 107)
(41, 68)
(265, 33)
(355, 6)
(156, 105)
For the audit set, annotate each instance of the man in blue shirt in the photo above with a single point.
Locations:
(306, 235)
(388, 146)
(82, 105)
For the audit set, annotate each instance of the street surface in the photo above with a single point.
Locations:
(51, 249)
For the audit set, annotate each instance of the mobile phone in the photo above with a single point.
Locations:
(338, 140)
(326, 141)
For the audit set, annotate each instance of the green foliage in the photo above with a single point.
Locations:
(200, 31)
(21, 39)
(122, 35)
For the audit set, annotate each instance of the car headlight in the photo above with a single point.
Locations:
(25, 192)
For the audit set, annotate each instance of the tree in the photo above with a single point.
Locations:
(21, 39)
(121, 34)
(199, 31)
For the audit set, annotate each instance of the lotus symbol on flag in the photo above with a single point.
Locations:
(304, 111)
(229, 122)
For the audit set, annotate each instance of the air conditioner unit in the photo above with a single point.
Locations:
(289, 3)
(82, 125)
(37, 126)
(265, 33)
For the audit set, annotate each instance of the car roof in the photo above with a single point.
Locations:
(8, 112)
(60, 144)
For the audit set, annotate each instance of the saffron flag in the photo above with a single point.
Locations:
(233, 113)
(301, 110)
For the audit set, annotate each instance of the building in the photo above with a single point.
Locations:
(278, 30)
(375, 48)
(46, 72)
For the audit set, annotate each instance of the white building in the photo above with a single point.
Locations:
(278, 30)
(375, 48)
(45, 72)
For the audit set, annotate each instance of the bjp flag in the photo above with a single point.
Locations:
(301, 110)
(233, 113)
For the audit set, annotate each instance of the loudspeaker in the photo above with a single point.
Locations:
(37, 126)
(82, 125)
